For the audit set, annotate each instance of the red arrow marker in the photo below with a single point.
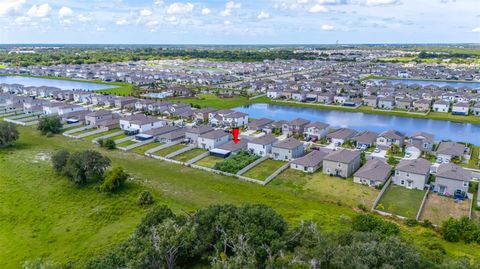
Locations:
(235, 132)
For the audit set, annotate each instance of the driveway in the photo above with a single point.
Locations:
(415, 155)
(380, 154)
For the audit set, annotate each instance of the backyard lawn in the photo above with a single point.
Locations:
(83, 131)
(142, 149)
(189, 155)
(329, 189)
(127, 143)
(440, 208)
(91, 137)
(401, 201)
(117, 137)
(164, 152)
(263, 170)
(209, 161)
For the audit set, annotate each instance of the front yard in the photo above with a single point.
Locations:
(329, 189)
(189, 155)
(439, 208)
(263, 170)
(401, 201)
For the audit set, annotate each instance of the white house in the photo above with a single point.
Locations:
(212, 139)
(441, 106)
(461, 108)
(262, 146)
(139, 123)
(69, 109)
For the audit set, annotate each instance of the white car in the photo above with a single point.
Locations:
(408, 155)
(377, 150)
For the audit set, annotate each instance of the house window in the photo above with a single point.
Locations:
(328, 170)
(339, 165)
(402, 182)
(465, 184)
(408, 174)
(397, 172)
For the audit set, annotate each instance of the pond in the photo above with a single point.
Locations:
(443, 130)
(423, 83)
(62, 84)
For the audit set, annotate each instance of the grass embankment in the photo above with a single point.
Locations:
(43, 215)
(264, 169)
(401, 201)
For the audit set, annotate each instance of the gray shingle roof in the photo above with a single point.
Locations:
(214, 134)
(374, 169)
(264, 140)
(418, 166)
(392, 134)
(343, 133)
(342, 156)
(453, 171)
(451, 148)
(289, 143)
(312, 159)
(366, 137)
(231, 146)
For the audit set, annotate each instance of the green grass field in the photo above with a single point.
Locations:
(329, 189)
(91, 137)
(209, 161)
(117, 137)
(127, 143)
(263, 170)
(43, 215)
(401, 201)
(164, 152)
(211, 100)
(189, 155)
(141, 150)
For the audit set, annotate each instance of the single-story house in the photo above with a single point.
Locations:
(341, 163)
(452, 180)
(365, 138)
(412, 174)
(447, 150)
(338, 137)
(374, 173)
(310, 162)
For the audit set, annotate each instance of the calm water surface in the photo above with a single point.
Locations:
(465, 132)
(62, 84)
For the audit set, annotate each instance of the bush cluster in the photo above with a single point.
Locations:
(235, 163)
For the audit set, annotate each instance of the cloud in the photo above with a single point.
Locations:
(152, 24)
(263, 15)
(39, 11)
(84, 18)
(180, 8)
(333, 2)
(100, 29)
(476, 30)
(206, 11)
(8, 7)
(121, 22)
(317, 9)
(145, 13)
(65, 12)
(227, 22)
(229, 7)
(327, 27)
(381, 2)
(22, 20)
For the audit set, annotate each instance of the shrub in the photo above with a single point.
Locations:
(145, 198)
(60, 159)
(110, 144)
(411, 222)
(50, 125)
(114, 180)
(370, 223)
(85, 166)
(8, 134)
(362, 207)
(235, 163)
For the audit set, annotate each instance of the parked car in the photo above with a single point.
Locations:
(408, 155)
(377, 150)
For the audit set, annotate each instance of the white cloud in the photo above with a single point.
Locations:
(100, 29)
(381, 2)
(227, 22)
(145, 13)
(39, 11)
(206, 11)
(65, 12)
(301, 2)
(476, 30)
(84, 18)
(229, 7)
(180, 8)
(8, 7)
(152, 23)
(317, 9)
(327, 27)
(22, 20)
(121, 22)
(263, 15)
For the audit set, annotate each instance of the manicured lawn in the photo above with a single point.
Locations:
(141, 150)
(117, 137)
(91, 137)
(209, 161)
(211, 100)
(83, 131)
(401, 201)
(164, 152)
(473, 162)
(329, 189)
(44, 215)
(264, 169)
(439, 208)
(67, 127)
(127, 143)
(189, 155)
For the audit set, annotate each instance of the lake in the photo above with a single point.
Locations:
(62, 84)
(454, 84)
(443, 130)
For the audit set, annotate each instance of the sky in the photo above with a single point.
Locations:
(239, 21)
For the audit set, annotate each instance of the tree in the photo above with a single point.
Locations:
(109, 144)
(60, 159)
(114, 180)
(50, 125)
(145, 198)
(83, 167)
(8, 134)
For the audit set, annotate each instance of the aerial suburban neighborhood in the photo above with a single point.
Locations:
(292, 134)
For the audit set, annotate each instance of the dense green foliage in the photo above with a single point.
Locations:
(50, 125)
(111, 55)
(145, 198)
(255, 236)
(370, 223)
(463, 229)
(107, 143)
(8, 134)
(114, 180)
(81, 167)
(236, 162)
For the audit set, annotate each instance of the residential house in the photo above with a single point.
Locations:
(193, 133)
(201, 115)
(287, 150)
(213, 139)
(374, 173)
(310, 162)
(404, 103)
(99, 116)
(325, 97)
(65, 109)
(389, 138)
(476, 109)
(365, 139)
(139, 123)
(422, 105)
(156, 133)
(262, 146)
(294, 127)
(420, 142)
(259, 125)
(338, 137)
(412, 174)
(386, 102)
(452, 179)
(371, 101)
(315, 131)
(461, 108)
(447, 150)
(274, 93)
(232, 148)
(342, 163)
(441, 106)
